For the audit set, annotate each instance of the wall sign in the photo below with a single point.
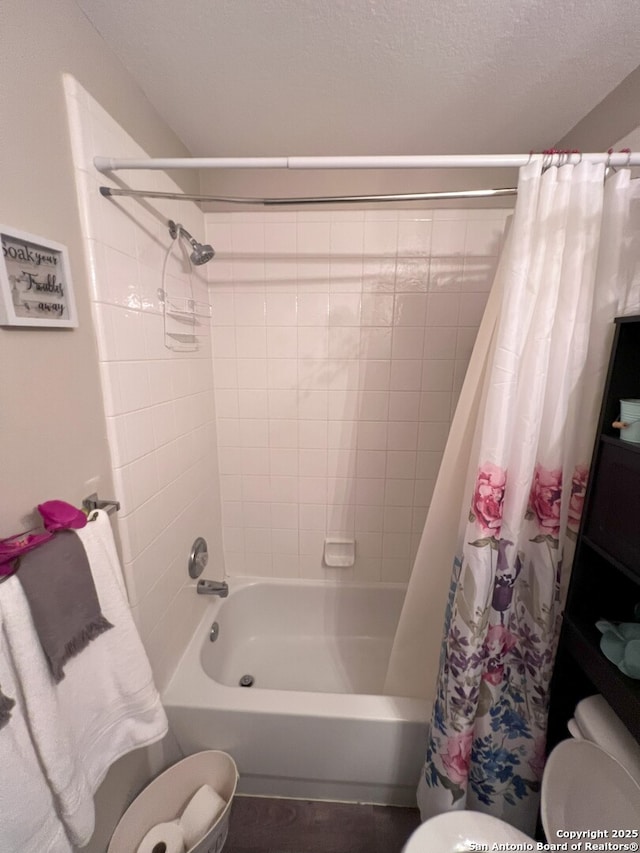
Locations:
(35, 282)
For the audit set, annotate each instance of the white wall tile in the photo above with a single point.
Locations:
(377, 309)
(281, 309)
(448, 237)
(340, 519)
(251, 342)
(443, 309)
(162, 399)
(372, 435)
(408, 342)
(284, 516)
(344, 309)
(313, 342)
(250, 309)
(381, 238)
(437, 375)
(281, 342)
(414, 237)
(410, 309)
(222, 308)
(313, 516)
(313, 238)
(347, 237)
(375, 343)
(280, 238)
(471, 309)
(406, 375)
(412, 275)
(251, 373)
(342, 372)
(484, 237)
(369, 519)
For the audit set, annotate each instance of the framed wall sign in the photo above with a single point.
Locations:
(35, 281)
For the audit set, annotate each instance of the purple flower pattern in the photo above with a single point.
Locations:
(488, 726)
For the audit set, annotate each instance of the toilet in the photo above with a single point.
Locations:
(591, 782)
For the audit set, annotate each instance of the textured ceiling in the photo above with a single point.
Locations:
(278, 77)
(269, 77)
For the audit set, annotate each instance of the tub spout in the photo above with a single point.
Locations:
(220, 588)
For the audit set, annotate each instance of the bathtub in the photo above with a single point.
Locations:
(314, 724)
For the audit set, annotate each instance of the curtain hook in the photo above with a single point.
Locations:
(626, 151)
(608, 168)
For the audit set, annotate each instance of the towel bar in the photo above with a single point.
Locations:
(93, 502)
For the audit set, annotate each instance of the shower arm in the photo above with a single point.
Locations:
(176, 230)
(202, 252)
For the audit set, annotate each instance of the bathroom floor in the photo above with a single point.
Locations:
(266, 825)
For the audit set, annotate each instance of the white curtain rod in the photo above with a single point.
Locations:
(427, 161)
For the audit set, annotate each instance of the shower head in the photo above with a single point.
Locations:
(202, 252)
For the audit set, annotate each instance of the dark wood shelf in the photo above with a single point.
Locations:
(630, 573)
(620, 691)
(631, 446)
(604, 586)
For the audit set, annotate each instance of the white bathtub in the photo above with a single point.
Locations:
(314, 725)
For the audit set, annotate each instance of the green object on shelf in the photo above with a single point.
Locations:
(620, 643)
(630, 415)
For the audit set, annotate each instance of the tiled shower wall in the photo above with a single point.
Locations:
(340, 342)
(158, 401)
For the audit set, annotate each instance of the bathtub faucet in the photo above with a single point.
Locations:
(220, 588)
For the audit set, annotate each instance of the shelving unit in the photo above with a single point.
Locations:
(185, 320)
(605, 580)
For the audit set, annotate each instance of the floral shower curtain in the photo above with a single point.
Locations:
(525, 487)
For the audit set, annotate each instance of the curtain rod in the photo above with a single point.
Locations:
(362, 199)
(427, 161)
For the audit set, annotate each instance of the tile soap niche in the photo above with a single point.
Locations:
(185, 320)
(339, 553)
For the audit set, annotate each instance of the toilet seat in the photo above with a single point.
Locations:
(583, 788)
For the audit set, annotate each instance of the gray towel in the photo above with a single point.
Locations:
(6, 705)
(57, 581)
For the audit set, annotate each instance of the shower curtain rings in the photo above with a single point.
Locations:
(608, 168)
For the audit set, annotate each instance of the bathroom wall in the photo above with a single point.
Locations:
(157, 387)
(340, 342)
(46, 408)
(53, 441)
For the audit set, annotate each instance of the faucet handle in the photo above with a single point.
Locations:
(198, 558)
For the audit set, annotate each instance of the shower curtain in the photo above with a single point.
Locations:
(523, 432)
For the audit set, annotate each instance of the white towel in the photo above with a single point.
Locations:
(107, 704)
(28, 821)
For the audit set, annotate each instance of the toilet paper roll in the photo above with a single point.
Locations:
(163, 838)
(200, 814)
